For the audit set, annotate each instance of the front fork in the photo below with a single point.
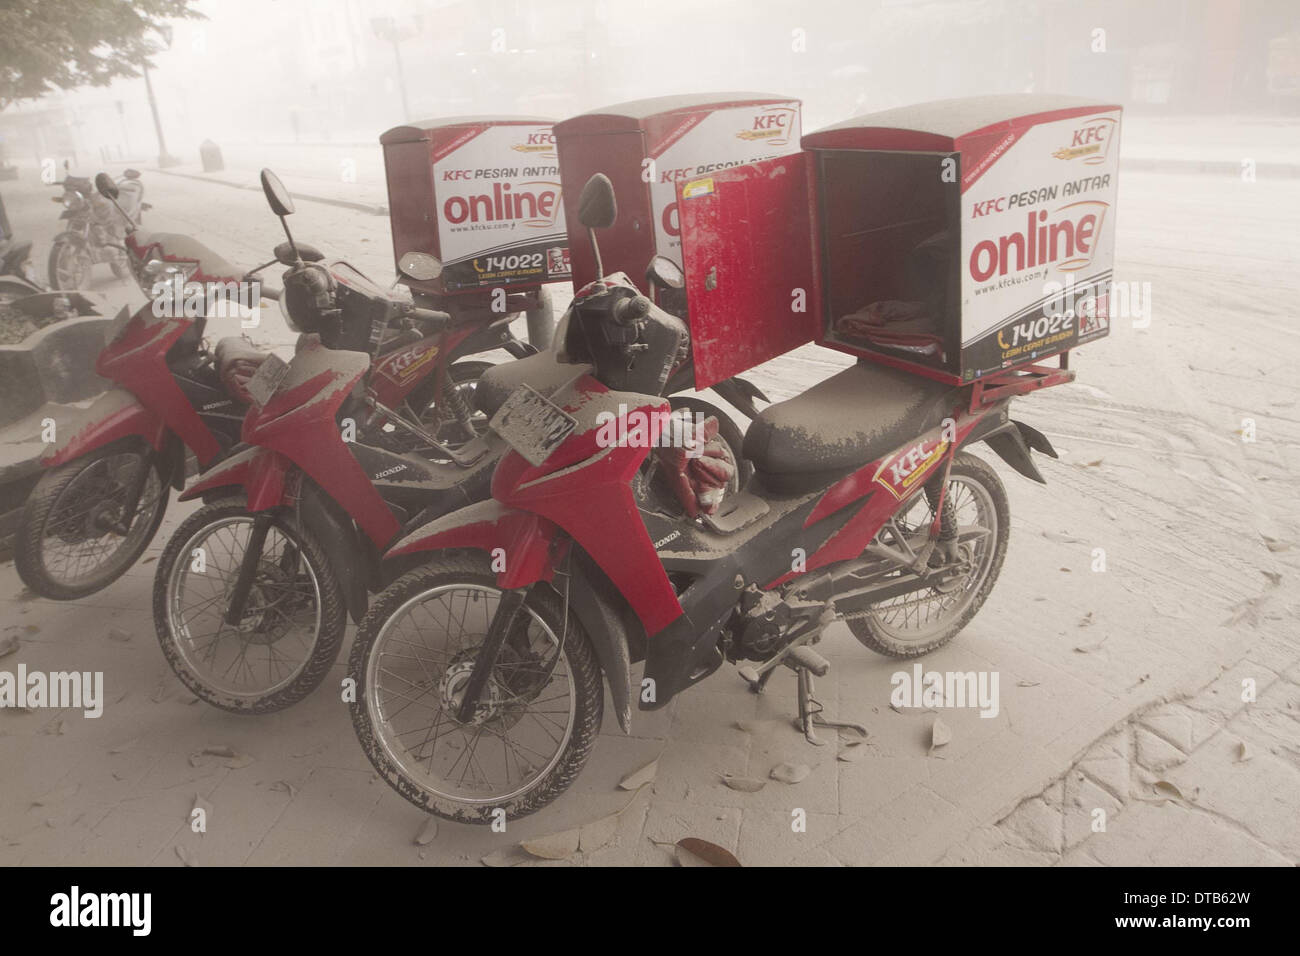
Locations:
(248, 567)
(503, 620)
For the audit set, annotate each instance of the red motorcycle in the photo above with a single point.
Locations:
(478, 673)
(104, 493)
(295, 525)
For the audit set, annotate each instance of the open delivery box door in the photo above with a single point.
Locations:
(953, 239)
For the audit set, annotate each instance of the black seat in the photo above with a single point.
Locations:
(541, 371)
(843, 423)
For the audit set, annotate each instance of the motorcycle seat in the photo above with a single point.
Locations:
(237, 362)
(541, 371)
(843, 423)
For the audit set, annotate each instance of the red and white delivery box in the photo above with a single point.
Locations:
(954, 238)
(482, 194)
(647, 148)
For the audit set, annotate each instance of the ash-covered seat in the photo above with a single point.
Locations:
(843, 423)
(541, 371)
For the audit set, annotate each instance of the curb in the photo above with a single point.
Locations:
(371, 208)
(1212, 167)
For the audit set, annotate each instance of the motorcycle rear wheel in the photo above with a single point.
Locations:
(67, 508)
(437, 616)
(906, 626)
(294, 590)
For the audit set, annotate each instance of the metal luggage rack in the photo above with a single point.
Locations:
(1020, 381)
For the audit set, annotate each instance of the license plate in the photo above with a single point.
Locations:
(533, 425)
(267, 379)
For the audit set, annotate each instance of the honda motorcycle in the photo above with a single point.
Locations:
(478, 674)
(252, 592)
(104, 493)
(93, 233)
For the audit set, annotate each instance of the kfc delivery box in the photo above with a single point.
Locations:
(482, 195)
(954, 239)
(649, 146)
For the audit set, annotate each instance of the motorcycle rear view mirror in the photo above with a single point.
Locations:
(419, 266)
(281, 203)
(665, 273)
(597, 209)
(277, 196)
(107, 188)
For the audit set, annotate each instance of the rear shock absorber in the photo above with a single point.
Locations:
(458, 408)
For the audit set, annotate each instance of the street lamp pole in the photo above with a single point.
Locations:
(165, 159)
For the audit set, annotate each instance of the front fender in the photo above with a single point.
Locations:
(525, 540)
(115, 415)
(520, 538)
(258, 472)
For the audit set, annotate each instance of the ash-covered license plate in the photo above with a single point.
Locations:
(532, 424)
(267, 379)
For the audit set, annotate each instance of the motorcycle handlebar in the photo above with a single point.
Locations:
(632, 308)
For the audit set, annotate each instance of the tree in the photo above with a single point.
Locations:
(62, 44)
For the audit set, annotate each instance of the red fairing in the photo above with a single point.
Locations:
(397, 373)
(299, 422)
(586, 490)
(115, 414)
(882, 487)
(137, 360)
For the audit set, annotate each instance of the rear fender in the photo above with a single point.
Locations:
(1012, 442)
(115, 415)
(526, 542)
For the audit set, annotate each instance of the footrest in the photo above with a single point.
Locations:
(808, 659)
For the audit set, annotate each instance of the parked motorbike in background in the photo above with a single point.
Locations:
(294, 525)
(94, 232)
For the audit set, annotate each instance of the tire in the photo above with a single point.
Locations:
(325, 634)
(71, 486)
(885, 638)
(449, 573)
(728, 432)
(76, 279)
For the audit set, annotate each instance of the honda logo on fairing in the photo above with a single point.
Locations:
(530, 204)
(1066, 238)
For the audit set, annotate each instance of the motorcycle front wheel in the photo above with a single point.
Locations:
(70, 266)
(537, 716)
(73, 537)
(293, 621)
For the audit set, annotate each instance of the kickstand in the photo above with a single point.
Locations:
(810, 712)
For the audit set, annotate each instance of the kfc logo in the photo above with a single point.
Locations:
(772, 126)
(1090, 142)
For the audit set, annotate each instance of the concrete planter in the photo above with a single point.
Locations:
(52, 367)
